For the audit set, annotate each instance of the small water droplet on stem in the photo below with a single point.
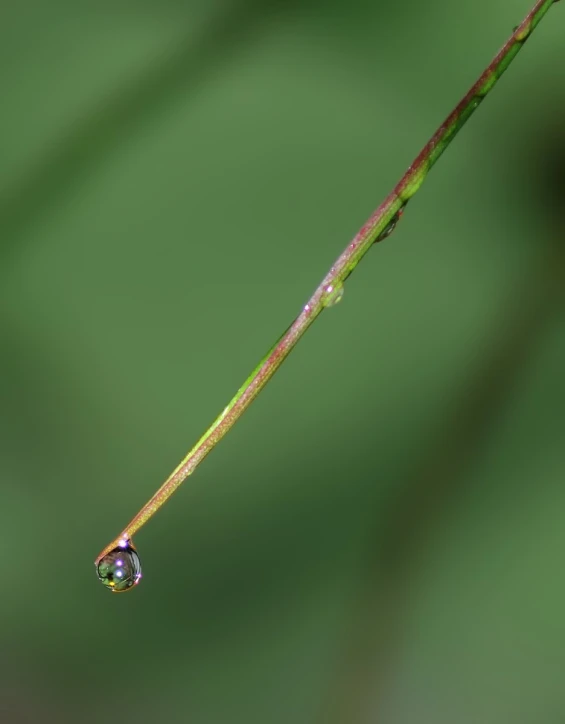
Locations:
(333, 294)
(387, 231)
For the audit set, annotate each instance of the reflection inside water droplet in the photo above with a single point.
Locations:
(120, 569)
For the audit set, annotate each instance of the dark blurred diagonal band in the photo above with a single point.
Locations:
(181, 71)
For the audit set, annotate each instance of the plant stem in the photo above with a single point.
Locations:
(378, 227)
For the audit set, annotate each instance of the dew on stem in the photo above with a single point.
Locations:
(391, 227)
(333, 294)
(120, 569)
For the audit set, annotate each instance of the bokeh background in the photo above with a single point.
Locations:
(381, 536)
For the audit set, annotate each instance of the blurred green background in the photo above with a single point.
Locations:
(380, 538)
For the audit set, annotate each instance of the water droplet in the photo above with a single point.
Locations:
(391, 226)
(521, 35)
(120, 569)
(333, 294)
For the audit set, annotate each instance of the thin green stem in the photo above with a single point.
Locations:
(329, 291)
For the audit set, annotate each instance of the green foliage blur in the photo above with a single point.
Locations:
(380, 537)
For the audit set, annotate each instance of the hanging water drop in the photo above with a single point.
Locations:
(120, 569)
(386, 232)
(333, 294)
